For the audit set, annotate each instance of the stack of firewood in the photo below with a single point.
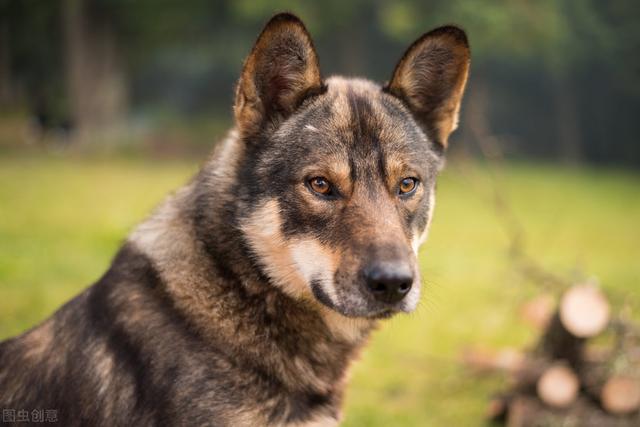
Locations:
(584, 370)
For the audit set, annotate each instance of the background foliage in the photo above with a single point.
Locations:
(552, 78)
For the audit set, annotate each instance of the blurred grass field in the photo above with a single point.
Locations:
(62, 219)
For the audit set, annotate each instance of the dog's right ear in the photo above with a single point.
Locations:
(280, 72)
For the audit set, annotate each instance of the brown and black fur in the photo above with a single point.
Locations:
(242, 300)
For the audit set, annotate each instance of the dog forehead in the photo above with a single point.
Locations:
(360, 108)
(359, 115)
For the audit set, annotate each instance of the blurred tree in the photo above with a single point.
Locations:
(94, 70)
(551, 78)
(29, 54)
(6, 75)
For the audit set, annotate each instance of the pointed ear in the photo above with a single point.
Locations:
(280, 72)
(430, 79)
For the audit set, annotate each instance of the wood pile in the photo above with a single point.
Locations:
(583, 371)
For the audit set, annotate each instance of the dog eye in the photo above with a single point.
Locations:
(320, 185)
(407, 186)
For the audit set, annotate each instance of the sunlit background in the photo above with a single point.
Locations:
(107, 105)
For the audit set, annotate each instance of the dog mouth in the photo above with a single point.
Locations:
(357, 305)
(353, 310)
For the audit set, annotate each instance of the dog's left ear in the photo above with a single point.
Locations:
(430, 78)
(280, 72)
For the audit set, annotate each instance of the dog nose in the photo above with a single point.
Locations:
(389, 283)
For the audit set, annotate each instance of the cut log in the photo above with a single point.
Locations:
(528, 411)
(558, 386)
(620, 395)
(538, 311)
(584, 311)
(558, 343)
(565, 379)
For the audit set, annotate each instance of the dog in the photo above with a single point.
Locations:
(245, 297)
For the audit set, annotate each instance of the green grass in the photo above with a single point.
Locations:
(62, 219)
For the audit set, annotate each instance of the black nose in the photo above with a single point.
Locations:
(389, 283)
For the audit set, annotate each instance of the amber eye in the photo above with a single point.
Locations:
(407, 186)
(320, 185)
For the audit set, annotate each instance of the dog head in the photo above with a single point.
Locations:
(338, 177)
